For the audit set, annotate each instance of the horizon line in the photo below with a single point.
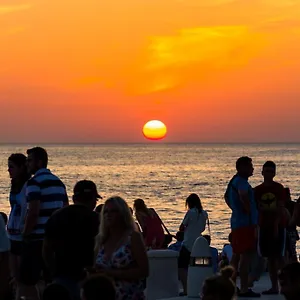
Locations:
(148, 143)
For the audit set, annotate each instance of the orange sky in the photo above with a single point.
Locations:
(96, 71)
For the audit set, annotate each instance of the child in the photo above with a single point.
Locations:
(214, 254)
(177, 246)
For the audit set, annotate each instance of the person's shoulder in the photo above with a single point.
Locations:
(136, 236)
(258, 187)
(205, 213)
(239, 180)
(31, 181)
(278, 185)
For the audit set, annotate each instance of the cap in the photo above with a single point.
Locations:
(86, 187)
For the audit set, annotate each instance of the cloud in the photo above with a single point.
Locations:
(196, 53)
(6, 9)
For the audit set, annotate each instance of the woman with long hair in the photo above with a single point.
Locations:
(120, 251)
(151, 225)
(193, 225)
(19, 176)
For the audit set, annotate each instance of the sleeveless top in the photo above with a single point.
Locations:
(153, 232)
(122, 259)
(17, 214)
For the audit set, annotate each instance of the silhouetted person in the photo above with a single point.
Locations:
(239, 197)
(98, 287)
(45, 193)
(289, 280)
(70, 238)
(270, 197)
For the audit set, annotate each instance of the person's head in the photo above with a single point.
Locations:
(3, 215)
(98, 208)
(139, 205)
(95, 287)
(57, 292)
(289, 279)
(219, 287)
(193, 201)
(115, 216)
(180, 236)
(17, 169)
(244, 166)
(208, 238)
(85, 193)
(37, 158)
(269, 170)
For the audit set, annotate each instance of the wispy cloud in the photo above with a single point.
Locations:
(6, 9)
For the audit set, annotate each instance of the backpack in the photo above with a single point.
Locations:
(230, 185)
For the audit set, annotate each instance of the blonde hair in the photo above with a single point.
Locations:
(125, 214)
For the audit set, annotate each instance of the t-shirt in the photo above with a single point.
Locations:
(227, 252)
(4, 241)
(17, 214)
(239, 218)
(73, 230)
(269, 198)
(194, 223)
(50, 191)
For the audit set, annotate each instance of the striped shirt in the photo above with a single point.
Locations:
(51, 192)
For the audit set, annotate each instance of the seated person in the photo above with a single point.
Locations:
(214, 253)
(226, 254)
(96, 286)
(177, 246)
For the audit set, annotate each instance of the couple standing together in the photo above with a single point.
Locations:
(258, 223)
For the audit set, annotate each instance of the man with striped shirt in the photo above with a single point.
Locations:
(45, 193)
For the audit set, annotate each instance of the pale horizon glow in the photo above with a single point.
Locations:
(214, 71)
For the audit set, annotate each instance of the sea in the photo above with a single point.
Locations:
(163, 174)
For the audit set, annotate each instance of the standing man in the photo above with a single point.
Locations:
(70, 238)
(45, 193)
(270, 197)
(239, 197)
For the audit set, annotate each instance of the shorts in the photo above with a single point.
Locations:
(270, 246)
(16, 247)
(184, 258)
(31, 263)
(243, 240)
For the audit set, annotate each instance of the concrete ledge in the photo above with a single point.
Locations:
(162, 253)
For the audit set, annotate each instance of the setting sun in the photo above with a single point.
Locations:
(154, 130)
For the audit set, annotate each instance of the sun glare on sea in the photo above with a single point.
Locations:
(154, 130)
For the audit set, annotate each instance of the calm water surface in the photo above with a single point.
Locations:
(163, 175)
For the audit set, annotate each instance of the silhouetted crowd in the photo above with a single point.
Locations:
(51, 249)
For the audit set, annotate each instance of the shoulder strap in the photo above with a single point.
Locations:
(162, 223)
(208, 226)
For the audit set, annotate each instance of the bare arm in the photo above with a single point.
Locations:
(33, 196)
(32, 216)
(139, 254)
(140, 219)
